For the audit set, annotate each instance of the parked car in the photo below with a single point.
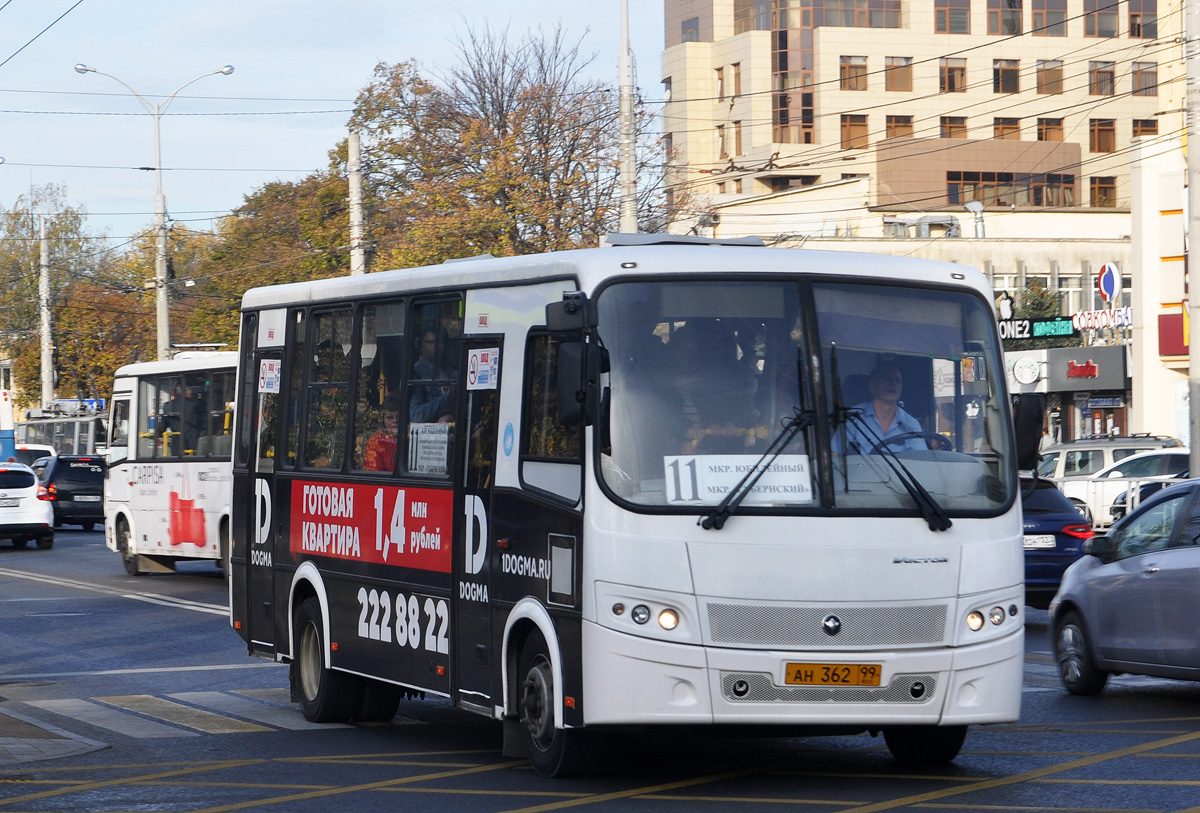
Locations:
(28, 453)
(1095, 495)
(1120, 505)
(1054, 535)
(1132, 604)
(1086, 456)
(74, 487)
(23, 516)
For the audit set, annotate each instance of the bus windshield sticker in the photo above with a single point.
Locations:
(706, 479)
(483, 368)
(386, 525)
(268, 376)
(428, 447)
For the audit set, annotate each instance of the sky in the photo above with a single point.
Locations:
(298, 66)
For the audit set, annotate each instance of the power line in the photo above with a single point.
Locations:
(43, 31)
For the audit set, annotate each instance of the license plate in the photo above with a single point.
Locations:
(9, 503)
(833, 674)
(1039, 542)
(86, 498)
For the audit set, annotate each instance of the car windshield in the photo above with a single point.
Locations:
(705, 373)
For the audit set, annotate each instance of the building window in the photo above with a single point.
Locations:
(954, 127)
(1100, 18)
(737, 138)
(1143, 19)
(1049, 76)
(737, 79)
(1005, 75)
(1104, 192)
(720, 84)
(1050, 129)
(899, 126)
(952, 16)
(1103, 135)
(1102, 78)
(669, 143)
(1006, 129)
(689, 30)
(840, 13)
(854, 132)
(1145, 79)
(737, 186)
(722, 149)
(952, 75)
(1004, 17)
(852, 72)
(897, 73)
(1145, 127)
(1050, 18)
(721, 188)
(1010, 188)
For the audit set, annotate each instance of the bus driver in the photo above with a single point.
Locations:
(883, 416)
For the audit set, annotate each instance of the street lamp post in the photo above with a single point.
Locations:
(156, 109)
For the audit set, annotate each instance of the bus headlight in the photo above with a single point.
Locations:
(974, 621)
(640, 614)
(996, 616)
(668, 619)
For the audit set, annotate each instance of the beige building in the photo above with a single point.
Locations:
(1025, 105)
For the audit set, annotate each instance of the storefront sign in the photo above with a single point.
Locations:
(1105, 403)
(1096, 368)
(1088, 369)
(1099, 320)
(1036, 328)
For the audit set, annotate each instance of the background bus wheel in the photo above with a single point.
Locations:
(326, 696)
(925, 743)
(379, 701)
(124, 543)
(553, 751)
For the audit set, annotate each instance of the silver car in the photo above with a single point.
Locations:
(24, 513)
(1132, 604)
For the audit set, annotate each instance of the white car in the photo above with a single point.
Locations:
(1094, 495)
(24, 515)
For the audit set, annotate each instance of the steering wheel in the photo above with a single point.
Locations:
(940, 443)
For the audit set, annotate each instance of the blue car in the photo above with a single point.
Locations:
(1054, 535)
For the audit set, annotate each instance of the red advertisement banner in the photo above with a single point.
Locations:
(386, 525)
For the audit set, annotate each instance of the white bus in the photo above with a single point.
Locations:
(636, 485)
(170, 436)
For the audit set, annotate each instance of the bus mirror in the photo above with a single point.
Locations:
(578, 388)
(1029, 410)
(574, 312)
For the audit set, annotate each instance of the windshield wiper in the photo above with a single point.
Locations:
(798, 421)
(931, 510)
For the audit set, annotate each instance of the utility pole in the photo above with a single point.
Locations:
(628, 156)
(358, 253)
(44, 312)
(1191, 58)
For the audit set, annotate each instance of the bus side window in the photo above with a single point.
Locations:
(118, 441)
(377, 406)
(432, 378)
(328, 390)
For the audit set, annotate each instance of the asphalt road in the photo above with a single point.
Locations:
(120, 693)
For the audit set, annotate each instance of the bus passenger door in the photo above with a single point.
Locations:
(475, 658)
(262, 534)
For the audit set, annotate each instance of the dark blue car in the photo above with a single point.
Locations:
(1054, 535)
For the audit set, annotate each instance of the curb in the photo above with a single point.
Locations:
(24, 739)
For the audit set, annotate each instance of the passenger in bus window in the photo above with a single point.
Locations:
(380, 454)
(430, 403)
(883, 415)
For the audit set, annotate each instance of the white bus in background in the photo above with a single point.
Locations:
(167, 487)
(636, 485)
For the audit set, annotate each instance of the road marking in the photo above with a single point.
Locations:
(108, 783)
(273, 715)
(151, 670)
(180, 714)
(637, 792)
(152, 598)
(104, 717)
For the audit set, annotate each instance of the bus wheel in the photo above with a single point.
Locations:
(379, 701)
(124, 543)
(553, 751)
(326, 696)
(925, 744)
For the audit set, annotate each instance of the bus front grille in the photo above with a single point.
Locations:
(807, 627)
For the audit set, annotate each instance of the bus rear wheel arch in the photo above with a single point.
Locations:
(554, 752)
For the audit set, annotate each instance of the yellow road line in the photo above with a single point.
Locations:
(130, 780)
(626, 794)
(183, 715)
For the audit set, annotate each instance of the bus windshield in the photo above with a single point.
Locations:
(705, 373)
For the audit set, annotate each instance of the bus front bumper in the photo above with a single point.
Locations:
(632, 680)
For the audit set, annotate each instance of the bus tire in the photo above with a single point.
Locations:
(554, 752)
(226, 551)
(925, 744)
(326, 695)
(124, 543)
(379, 702)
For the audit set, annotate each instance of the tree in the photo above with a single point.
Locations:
(1039, 302)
